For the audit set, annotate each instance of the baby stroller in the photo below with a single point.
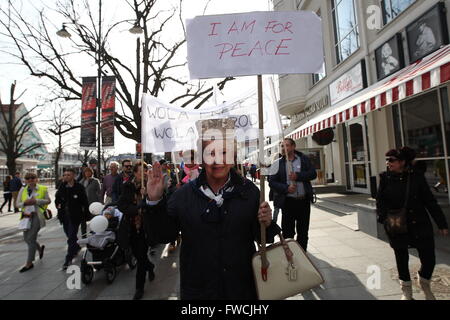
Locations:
(104, 250)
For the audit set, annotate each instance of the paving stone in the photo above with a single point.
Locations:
(356, 292)
(339, 278)
(341, 251)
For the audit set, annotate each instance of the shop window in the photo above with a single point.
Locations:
(346, 32)
(316, 77)
(446, 113)
(437, 177)
(392, 8)
(422, 126)
(397, 126)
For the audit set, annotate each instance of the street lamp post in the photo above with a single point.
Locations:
(136, 29)
(65, 34)
(99, 88)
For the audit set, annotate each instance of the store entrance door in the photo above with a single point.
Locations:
(358, 162)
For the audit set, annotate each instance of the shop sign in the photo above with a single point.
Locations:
(312, 109)
(348, 84)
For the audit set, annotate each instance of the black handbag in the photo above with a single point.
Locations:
(396, 222)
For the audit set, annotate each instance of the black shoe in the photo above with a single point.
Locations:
(24, 269)
(138, 294)
(41, 252)
(65, 265)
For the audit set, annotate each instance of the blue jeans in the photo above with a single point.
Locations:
(71, 231)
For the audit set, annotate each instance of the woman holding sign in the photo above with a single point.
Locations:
(219, 216)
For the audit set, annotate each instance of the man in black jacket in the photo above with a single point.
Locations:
(293, 192)
(219, 215)
(72, 204)
(125, 176)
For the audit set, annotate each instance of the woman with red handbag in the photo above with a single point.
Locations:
(404, 203)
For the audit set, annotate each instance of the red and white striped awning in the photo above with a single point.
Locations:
(423, 75)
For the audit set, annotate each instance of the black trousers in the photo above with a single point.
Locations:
(71, 231)
(139, 248)
(295, 218)
(8, 199)
(427, 259)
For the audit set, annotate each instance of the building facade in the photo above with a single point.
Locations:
(28, 162)
(385, 84)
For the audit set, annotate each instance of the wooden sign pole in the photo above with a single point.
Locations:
(262, 180)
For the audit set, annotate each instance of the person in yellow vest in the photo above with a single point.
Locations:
(32, 201)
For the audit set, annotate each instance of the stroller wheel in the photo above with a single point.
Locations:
(87, 274)
(111, 274)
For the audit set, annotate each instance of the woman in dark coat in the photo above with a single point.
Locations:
(419, 205)
(132, 233)
(219, 215)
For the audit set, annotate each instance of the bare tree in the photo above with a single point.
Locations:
(61, 123)
(84, 156)
(15, 123)
(155, 60)
(107, 155)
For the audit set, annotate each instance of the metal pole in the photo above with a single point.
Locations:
(99, 87)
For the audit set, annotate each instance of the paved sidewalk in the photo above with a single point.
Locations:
(342, 255)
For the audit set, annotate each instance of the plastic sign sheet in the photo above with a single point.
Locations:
(254, 43)
(167, 128)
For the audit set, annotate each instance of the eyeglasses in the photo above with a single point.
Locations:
(390, 160)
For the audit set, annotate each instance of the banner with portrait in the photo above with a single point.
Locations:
(88, 113)
(108, 109)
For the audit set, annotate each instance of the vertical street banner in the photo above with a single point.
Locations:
(108, 109)
(88, 113)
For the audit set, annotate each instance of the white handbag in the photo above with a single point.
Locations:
(283, 270)
(24, 224)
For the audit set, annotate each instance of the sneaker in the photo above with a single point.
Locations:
(24, 269)
(66, 265)
(41, 252)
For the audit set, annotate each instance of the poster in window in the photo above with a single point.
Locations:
(389, 57)
(428, 33)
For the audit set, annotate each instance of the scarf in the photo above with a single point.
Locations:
(215, 211)
(191, 174)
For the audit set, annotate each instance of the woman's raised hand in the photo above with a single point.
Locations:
(155, 184)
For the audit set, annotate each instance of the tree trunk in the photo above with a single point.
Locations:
(11, 164)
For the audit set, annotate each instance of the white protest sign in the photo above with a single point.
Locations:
(254, 43)
(166, 128)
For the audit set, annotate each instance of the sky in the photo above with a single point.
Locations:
(120, 43)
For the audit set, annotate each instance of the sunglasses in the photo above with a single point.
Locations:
(390, 160)
(30, 178)
(129, 166)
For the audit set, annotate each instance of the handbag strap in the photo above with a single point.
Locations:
(262, 249)
(263, 252)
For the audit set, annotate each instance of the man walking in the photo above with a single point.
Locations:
(72, 204)
(124, 177)
(293, 192)
(15, 186)
(108, 182)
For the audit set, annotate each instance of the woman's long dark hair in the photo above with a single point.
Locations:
(405, 154)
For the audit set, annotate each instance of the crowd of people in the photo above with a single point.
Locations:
(215, 213)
